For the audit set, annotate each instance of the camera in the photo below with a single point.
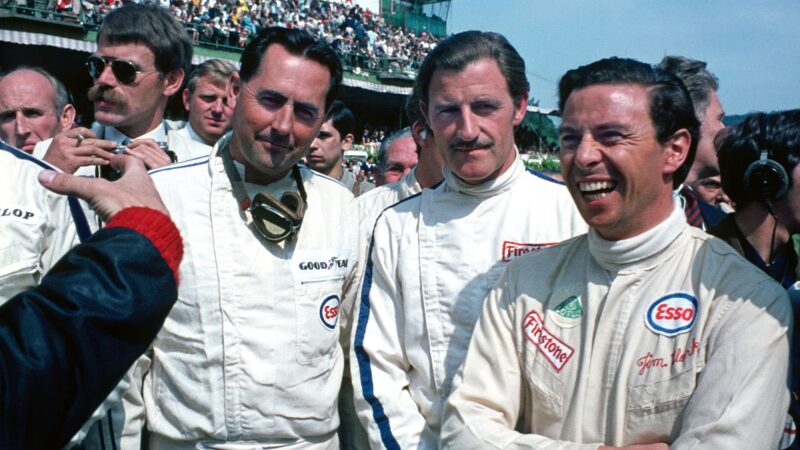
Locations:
(111, 174)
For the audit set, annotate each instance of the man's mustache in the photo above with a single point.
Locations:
(97, 92)
(470, 145)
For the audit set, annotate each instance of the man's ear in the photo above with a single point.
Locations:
(676, 150)
(347, 142)
(172, 82)
(67, 118)
(186, 97)
(234, 87)
(520, 109)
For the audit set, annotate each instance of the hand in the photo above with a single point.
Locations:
(134, 188)
(148, 151)
(78, 147)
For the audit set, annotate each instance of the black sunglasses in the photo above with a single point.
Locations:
(124, 71)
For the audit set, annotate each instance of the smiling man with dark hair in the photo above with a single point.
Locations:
(645, 333)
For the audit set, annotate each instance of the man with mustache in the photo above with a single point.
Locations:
(34, 106)
(434, 256)
(206, 101)
(250, 356)
(142, 56)
(645, 333)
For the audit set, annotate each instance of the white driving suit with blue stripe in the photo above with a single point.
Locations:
(432, 260)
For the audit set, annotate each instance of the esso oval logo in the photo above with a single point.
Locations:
(672, 314)
(329, 311)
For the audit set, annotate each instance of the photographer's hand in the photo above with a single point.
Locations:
(134, 188)
(78, 147)
(148, 151)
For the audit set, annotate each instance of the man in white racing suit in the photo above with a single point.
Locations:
(37, 226)
(250, 356)
(435, 255)
(646, 332)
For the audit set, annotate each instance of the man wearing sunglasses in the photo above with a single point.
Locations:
(142, 56)
(250, 355)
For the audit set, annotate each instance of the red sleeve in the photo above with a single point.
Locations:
(158, 228)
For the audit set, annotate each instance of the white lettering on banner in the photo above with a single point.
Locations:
(554, 349)
(513, 250)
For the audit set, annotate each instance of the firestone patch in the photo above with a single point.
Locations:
(556, 351)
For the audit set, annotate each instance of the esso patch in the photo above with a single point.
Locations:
(329, 311)
(672, 314)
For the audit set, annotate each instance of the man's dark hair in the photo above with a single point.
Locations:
(459, 50)
(342, 117)
(671, 107)
(154, 27)
(412, 107)
(296, 42)
(699, 81)
(739, 145)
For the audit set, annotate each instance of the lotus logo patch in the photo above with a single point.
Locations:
(329, 311)
(672, 314)
(554, 349)
(513, 250)
(570, 308)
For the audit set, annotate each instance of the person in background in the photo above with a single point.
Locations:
(397, 156)
(326, 153)
(206, 101)
(34, 106)
(758, 160)
(702, 186)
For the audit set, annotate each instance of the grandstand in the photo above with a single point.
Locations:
(381, 42)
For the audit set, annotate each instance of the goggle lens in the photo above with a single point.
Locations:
(274, 226)
(124, 71)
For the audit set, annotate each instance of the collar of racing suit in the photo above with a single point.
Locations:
(637, 252)
(490, 188)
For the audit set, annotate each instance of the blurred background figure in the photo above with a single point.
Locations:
(206, 101)
(398, 155)
(758, 160)
(34, 106)
(703, 181)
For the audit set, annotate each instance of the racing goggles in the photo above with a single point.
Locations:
(277, 220)
(124, 71)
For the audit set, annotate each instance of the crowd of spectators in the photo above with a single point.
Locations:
(364, 39)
